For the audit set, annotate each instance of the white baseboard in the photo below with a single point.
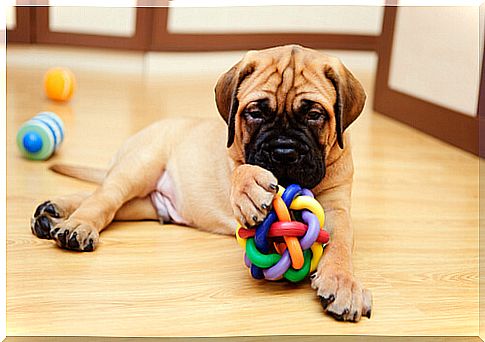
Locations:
(151, 64)
(75, 58)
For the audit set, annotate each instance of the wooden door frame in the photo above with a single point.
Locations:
(152, 34)
(481, 111)
(451, 126)
(23, 26)
(139, 41)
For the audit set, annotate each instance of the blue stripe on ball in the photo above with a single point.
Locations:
(48, 126)
(57, 120)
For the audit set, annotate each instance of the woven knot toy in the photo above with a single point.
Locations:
(289, 242)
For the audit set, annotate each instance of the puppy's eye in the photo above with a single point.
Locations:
(314, 115)
(257, 110)
(254, 113)
(312, 111)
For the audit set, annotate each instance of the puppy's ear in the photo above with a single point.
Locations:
(350, 97)
(226, 96)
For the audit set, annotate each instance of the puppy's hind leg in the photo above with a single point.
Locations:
(133, 176)
(53, 212)
(137, 209)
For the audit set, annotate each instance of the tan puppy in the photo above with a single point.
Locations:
(286, 110)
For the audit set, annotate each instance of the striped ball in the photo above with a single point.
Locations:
(41, 136)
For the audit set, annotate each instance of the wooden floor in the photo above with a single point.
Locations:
(415, 213)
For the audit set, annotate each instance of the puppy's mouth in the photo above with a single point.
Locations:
(290, 160)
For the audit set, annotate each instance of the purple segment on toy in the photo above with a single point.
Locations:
(306, 192)
(276, 271)
(247, 262)
(313, 229)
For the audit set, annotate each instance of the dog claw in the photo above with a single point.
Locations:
(327, 301)
(51, 210)
(73, 243)
(40, 208)
(90, 246)
(54, 232)
(274, 187)
(340, 317)
(42, 227)
(337, 316)
(63, 238)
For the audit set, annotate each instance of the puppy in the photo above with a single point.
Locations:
(285, 112)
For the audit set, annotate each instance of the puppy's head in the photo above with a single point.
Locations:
(285, 107)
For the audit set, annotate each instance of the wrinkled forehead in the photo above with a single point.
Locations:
(286, 76)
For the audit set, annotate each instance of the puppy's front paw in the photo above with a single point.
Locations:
(341, 294)
(252, 193)
(75, 235)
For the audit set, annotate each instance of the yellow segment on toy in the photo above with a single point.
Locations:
(59, 84)
(306, 202)
(317, 251)
(240, 240)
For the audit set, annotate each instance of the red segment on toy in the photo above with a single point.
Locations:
(282, 228)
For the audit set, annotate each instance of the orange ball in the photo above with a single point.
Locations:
(59, 84)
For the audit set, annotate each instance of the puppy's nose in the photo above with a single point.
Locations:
(283, 150)
(285, 155)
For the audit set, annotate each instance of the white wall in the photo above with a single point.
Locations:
(11, 17)
(111, 21)
(189, 64)
(340, 19)
(154, 65)
(436, 56)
